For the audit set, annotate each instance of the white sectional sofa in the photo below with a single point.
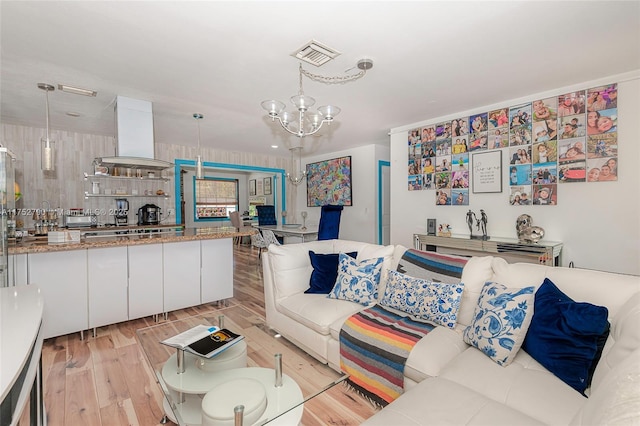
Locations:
(447, 381)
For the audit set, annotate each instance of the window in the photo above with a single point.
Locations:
(215, 198)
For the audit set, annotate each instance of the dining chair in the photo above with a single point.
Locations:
(266, 215)
(329, 226)
(237, 223)
(258, 242)
(270, 237)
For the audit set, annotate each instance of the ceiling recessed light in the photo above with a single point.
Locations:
(73, 114)
(76, 90)
(274, 146)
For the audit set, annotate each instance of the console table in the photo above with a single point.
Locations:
(511, 249)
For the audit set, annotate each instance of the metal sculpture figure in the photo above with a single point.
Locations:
(471, 218)
(482, 222)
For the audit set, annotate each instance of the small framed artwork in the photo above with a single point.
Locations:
(259, 189)
(267, 186)
(252, 187)
(487, 172)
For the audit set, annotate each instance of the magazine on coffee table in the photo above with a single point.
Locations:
(204, 340)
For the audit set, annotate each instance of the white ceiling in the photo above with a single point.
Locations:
(222, 59)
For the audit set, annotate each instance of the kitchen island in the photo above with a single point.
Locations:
(102, 280)
(168, 234)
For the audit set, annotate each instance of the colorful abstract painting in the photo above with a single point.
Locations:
(329, 182)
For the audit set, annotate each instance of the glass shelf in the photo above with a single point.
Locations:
(88, 176)
(88, 195)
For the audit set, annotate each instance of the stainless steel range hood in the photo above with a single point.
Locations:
(134, 141)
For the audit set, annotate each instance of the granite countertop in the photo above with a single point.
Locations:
(187, 234)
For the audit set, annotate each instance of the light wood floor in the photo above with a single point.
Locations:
(106, 380)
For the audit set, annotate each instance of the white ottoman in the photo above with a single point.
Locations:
(234, 357)
(219, 403)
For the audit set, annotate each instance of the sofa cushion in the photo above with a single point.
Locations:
(476, 272)
(427, 300)
(357, 280)
(523, 385)
(624, 338)
(290, 266)
(433, 352)
(325, 271)
(616, 401)
(501, 321)
(316, 311)
(438, 401)
(565, 336)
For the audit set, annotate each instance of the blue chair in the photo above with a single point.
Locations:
(329, 226)
(266, 215)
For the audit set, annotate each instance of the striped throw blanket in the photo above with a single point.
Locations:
(374, 347)
(432, 266)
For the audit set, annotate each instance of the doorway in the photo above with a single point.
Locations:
(185, 170)
(384, 203)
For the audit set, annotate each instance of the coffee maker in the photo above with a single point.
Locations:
(149, 214)
(121, 214)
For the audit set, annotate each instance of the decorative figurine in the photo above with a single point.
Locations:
(483, 223)
(471, 218)
(480, 224)
(444, 230)
(528, 233)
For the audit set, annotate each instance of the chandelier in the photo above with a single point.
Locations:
(307, 123)
(299, 176)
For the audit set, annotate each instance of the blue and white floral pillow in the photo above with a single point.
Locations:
(431, 301)
(500, 321)
(357, 281)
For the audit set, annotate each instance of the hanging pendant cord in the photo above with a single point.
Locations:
(46, 92)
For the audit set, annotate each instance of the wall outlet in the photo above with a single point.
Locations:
(171, 212)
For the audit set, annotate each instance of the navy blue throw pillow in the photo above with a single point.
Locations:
(325, 272)
(565, 336)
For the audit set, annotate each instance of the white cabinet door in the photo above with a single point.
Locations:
(18, 269)
(145, 280)
(217, 269)
(107, 271)
(62, 278)
(181, 275)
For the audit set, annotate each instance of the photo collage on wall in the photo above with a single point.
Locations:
(553, 141)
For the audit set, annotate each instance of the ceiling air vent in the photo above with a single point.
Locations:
(315, 53)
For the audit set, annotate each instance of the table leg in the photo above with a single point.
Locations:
(180, 360)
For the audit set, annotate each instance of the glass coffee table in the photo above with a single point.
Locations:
(273, 368)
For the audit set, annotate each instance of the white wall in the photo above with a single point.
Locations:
(599, 223)
(359, 221)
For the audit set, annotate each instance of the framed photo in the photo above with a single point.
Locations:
(487, 172)
(329, 182)
(267, 186)
(252, 187)
(259, 189)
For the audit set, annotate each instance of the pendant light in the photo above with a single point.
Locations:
(297, 177)
(47, 154)
(199, 169)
